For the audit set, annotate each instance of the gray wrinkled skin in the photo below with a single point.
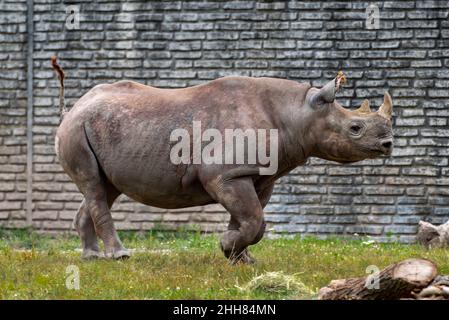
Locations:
(116, 140)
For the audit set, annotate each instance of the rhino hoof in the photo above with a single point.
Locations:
(89, 254)
(243, 258)
(121, 254)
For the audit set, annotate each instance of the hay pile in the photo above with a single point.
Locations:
(278, 283)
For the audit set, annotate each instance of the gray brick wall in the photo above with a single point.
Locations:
(13, 112)
(178, 44)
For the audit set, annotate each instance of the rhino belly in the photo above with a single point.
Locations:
(135, 157)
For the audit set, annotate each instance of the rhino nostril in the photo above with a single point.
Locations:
(387, 144)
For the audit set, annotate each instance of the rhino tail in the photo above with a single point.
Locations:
(61, 76)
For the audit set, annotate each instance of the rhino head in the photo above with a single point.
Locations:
(347, 136)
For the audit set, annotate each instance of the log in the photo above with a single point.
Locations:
(437, 290)
(432, 236)
(396, 281)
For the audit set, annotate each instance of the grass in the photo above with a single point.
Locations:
(190, 267)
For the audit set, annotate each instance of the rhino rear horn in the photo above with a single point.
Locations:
(327, 93)
(364, 108)
(386, 109)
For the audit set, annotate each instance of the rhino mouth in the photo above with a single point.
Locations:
(385, 148)
(379, 152)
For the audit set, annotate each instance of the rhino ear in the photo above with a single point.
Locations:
(364, 108)
(386, 109)
(327, 93)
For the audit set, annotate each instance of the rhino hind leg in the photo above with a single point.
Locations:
(104, 227)
(246, 226)
(85, 227)
(79, 161)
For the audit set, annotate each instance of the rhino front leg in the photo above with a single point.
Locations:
(244, 256)
(239, 197)
(264, 197)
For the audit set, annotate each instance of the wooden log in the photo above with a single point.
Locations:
(394, 282)
(437, 290)
(432, 236)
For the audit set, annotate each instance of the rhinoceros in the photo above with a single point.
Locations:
(116, 139)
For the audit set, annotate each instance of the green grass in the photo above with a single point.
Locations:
(192, 268)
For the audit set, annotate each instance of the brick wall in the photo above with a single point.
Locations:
(178, 44)
(13, 111)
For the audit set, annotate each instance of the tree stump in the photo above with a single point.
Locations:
(432, 236)
(396, 281)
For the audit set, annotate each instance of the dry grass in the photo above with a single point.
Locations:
(190, 267)
(278, 283)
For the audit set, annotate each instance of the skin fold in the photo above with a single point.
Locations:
(116, 140)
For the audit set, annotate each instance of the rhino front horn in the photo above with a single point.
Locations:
(327, 93)
(386, 109)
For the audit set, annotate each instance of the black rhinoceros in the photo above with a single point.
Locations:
(116, 139)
